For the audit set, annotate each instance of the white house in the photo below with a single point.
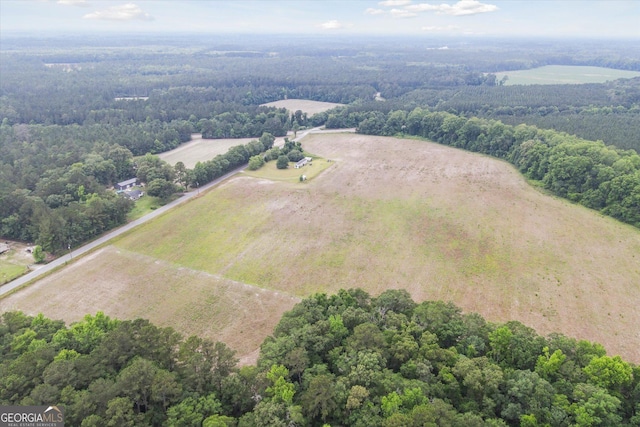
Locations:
(302, 162)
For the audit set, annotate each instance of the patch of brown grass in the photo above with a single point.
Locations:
(442, 223)
(201, 150)
(304, 105)
(129, 285)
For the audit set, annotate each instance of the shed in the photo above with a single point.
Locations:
(133, 194)
(127, 184)
(302, 162)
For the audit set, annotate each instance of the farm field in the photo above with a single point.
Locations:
(200, 150)
(304, 105)
(388, 213)
(564, 74)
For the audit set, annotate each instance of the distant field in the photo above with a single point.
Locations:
(388, 213)
(561, 74)
(200, 150)
(304, 105)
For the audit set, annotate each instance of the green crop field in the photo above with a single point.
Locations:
(388, 213)
(564, 74)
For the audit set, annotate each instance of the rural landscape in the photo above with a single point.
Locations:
(323, 231)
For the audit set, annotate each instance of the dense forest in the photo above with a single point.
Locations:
(79, 115)
(344, 360)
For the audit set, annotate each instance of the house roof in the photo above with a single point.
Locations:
(127, 182)
(133, 194)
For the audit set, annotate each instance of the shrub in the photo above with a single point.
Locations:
(255, 162)
(38, 254)
(283, 162)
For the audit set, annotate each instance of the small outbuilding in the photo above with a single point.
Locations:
(133, 194)
(127, 184)
(303, 162)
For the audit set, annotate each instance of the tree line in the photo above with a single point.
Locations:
(67, 205)
(601, 177)
(347, 359)
(608, 112)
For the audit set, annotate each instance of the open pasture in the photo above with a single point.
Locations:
(304, 105)
(200, 150)
(564, 74)
(389, 213)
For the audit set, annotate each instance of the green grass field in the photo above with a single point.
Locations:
(271, 172)
(14, 263)
(10, 271)
(564, 74)
(143, 206)
(388, 213)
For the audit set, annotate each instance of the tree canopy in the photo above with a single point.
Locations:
(347, 359)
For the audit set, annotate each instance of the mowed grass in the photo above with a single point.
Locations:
(10, 271)
(15, 262)
(201, 150)
(564, 74)
(291, 174)
(143, 206)
(388, 214)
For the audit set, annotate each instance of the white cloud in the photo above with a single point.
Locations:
(423, 7)
(372, 11)
(402, 13)
(440, 29)
(331, 25)
(391, 3)
(466, 7)
(125, 12)
(81, 3)
(461, 8)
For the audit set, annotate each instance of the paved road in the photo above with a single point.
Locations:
(8, 287)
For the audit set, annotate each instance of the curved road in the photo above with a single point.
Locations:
(10, 286)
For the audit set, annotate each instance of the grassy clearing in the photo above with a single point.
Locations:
(15, 262)
(201, 150)
(442, 223)
(10, 271)
(304, 105)
(565, 74)
(143, 206)
(190, 301)
(291, 174)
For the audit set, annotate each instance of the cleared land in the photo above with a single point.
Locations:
(565, 74)
(304, 105)
(15, 262)
(200, 150)
(389, 213)
(271, 172)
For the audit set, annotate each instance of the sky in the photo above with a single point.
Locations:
(511, 18)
